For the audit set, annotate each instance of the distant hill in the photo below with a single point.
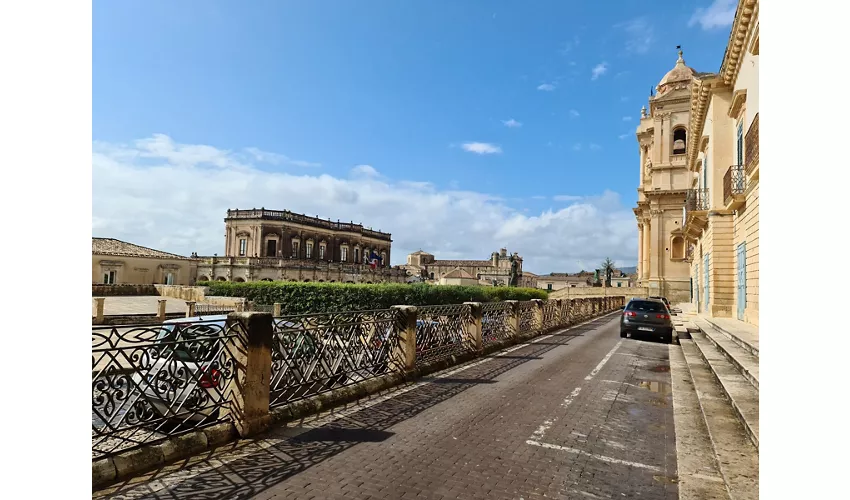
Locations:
(628, 270)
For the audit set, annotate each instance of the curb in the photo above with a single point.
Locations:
(743, 344)
(106, 471)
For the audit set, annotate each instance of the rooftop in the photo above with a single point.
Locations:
(459, 273)
(118, 248)
(287, 216)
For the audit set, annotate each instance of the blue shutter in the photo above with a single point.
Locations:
(741, 143)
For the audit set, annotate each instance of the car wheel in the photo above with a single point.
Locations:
(622, 333)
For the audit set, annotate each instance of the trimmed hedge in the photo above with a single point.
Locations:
(302, 298)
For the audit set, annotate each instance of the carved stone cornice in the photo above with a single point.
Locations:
(243, 233)
(112, 263)
(703, 143)
(169, 266)
(656, 211)
(742, 27)
(700, 92)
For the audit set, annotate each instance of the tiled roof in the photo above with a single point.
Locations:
(456, 263)
(459, 273)
(118, 248)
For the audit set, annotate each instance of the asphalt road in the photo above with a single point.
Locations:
(581, 413)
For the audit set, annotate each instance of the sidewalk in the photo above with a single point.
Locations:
(743, 332)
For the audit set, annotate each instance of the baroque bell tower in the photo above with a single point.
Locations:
(662, 137)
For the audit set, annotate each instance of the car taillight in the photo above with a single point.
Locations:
(662, 316)
(630, 314)
(210, 379)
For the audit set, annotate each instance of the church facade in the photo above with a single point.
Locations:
(663, 140)
(493, 272)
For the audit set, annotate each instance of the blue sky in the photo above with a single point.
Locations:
(517, 117)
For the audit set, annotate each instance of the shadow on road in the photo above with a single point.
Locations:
(267, 466)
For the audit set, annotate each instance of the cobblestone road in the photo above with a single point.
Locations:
(578, 414)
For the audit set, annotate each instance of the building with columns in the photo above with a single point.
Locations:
(721, 221)
(663, 141)
(275, 245)
(493, 272)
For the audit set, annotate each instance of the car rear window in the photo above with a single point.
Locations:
(646, 306)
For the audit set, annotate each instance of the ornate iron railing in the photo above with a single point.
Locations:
(734, 182)
(528, 317)
(316, 353)
(697, 200)
(153, 382)
(213, 309)
(495, 322)
(752, 145)
(551, 315)
(442, 331)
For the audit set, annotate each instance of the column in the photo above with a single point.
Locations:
(646, 249)
(640, 251)
(642, 163)
(655, 237)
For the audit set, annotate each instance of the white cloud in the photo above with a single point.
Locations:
(599, 70)
(174, 198)
(627, 118)
(577, 146)
(277, 159)
(482, 148)
(719, 14)
(538, 197)
(574, 113)
(511, 123)
(548, 87)
(624, 99)
(595, 147)
(639, 35)
(567, 197)
(623, 136)
(364, 171)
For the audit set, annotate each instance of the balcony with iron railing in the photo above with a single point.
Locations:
(697, 204)
(734, 185)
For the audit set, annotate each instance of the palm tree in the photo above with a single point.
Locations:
(607, 268)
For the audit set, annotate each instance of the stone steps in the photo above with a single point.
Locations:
(742, 358)
(744, 343)
(732, 441)
(742, 396)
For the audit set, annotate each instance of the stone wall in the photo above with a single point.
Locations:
(581, 292)
(188, 293)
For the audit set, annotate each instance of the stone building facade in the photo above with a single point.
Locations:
(493, 272)
(116, 262)
(274, 245)
(664, 139)
(721, 219)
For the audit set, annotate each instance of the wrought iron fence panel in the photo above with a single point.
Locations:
(527, 317)
(551, 315)
(565, 312)
(213, 309)
(442, 331)
(153, 382)
(495, 322)
(316, 353)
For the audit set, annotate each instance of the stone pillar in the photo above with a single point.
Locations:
(405, 325)
(563, 312)
(513, 319)
(190, 309)
(240, 305)
(538, 314)
(474, 330)
(276, 310)
(251, 347)
(647, 227)
(98, 310)
(160, 314)
(640, 251)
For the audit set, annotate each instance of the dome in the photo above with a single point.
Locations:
(679, 73)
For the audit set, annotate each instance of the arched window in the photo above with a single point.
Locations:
(432, 275)
(677, 248)
(680, 140)
(239, 280)
(203, 278)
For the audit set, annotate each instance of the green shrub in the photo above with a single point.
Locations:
(301, 298)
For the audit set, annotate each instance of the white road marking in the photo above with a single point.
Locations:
(623, 383)
(604, 360)
(569, 399)
(313, 421)
(602, 458)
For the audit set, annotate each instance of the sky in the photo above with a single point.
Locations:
(460, 127)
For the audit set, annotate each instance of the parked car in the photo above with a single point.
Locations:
(184, 378)
(647, 316)
(663, 299)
